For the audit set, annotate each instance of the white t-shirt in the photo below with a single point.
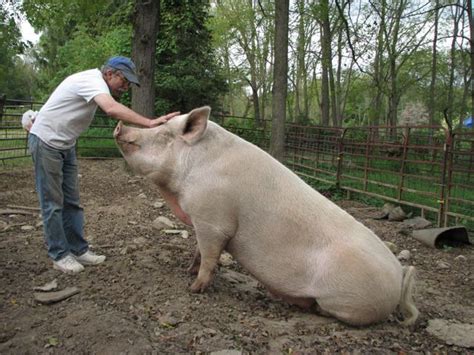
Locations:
(70, 109)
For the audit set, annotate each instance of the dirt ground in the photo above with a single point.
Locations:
(138, 301)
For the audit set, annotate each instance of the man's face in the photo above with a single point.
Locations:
(117, 83)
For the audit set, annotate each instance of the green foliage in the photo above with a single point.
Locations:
(187, 75)
(15, 76)
(77, 35)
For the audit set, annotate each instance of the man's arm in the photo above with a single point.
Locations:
(121, 112)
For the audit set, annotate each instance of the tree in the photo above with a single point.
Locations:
(471, 40)
(14, 74)
(434, 64)
(187, 75)
(326, 61)
(277, 142)
(145, 27)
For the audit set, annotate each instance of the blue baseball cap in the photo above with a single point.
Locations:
(126, 67)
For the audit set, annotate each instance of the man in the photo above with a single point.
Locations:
(67, 113)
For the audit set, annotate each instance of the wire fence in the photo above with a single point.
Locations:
(422, 167)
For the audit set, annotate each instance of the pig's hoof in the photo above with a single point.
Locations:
(199, 286)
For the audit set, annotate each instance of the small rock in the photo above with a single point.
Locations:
(397, 214)
(385, 211)
(404, 255)
(172, 231)
(139, 240)
(133, 223)
(50, 286)
(52, 297)
(460, 258)
(158, 204)
(184, 234)
(459, 334)
(226, 259)
(142, 195)
(162, 222)
(393, 247)
(168, 321)
(442, 265)
(416, 223)
(226, 352)
(27, 228)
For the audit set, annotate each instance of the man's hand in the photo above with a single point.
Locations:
(162, 119)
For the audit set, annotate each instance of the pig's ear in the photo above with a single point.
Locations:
(196, 124)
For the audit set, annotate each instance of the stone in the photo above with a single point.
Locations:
(459, 334)
(227, 352)
(50, 286)
(442, 265)
(163, 222)
(53, 297)
(404, 255)
(416, 223)
(158, 204)
(226, 259)
(172, 231)
(397, 214)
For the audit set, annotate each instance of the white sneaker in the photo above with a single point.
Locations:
(68, 264)
(90, 258)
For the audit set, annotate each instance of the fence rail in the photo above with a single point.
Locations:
(425, 167)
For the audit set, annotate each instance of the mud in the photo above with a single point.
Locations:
(138, 301)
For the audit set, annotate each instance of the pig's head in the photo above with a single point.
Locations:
(160, 152)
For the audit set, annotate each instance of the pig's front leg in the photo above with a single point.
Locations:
(211, 241)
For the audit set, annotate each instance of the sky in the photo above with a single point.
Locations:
(28, 33)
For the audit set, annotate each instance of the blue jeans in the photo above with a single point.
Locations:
(56, 178)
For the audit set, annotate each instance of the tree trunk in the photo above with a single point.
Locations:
(280, 73)
(256, 106)
(300, 114)
(145, 30)
(325, 62)
(457, 16)
(376, 109)
(471, 30)
(394, 95)
(434, 66)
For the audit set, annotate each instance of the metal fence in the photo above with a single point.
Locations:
(423, 167)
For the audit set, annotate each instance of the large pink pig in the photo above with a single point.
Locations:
(300, 245)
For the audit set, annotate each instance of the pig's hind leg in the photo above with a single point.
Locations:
(302, 302)
(211, 242)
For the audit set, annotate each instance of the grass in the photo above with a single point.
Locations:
(98, 142)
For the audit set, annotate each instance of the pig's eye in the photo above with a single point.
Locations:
(128, 146)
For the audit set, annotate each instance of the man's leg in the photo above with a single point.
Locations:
(48, 163)
(73, 214)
